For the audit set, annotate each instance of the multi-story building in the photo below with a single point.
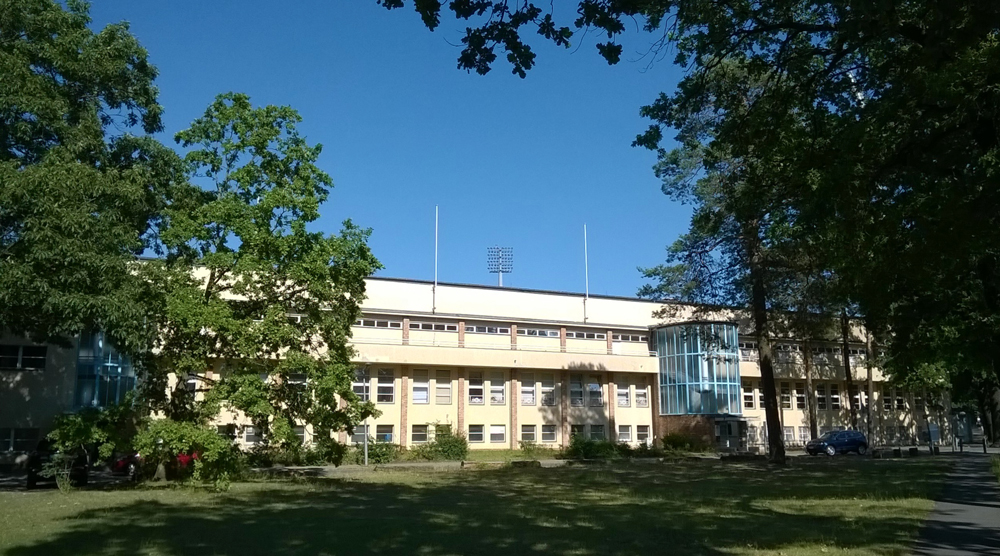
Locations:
(505, 366)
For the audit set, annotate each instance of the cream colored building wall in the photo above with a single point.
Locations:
(537, 414)
(489, 413)
(575, 345)
(487, 341)
(633, 415)
(33, 399)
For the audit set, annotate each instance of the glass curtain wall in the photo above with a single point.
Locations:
(699, 369)
(103, 376)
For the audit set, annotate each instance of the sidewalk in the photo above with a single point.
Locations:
(966, 517)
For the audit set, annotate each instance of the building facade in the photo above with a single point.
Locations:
(505, 366)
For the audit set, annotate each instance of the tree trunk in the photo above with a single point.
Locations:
(810, 390)
(869, 357)
(775, 439)
(845, 330)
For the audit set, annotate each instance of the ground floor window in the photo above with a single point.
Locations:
(803, 435)
(789, 434)
(300, 433)
(476, 433)
(252, 435)
(359, 434)
(597, 432)
(528, 433)
(418, 434)
(383, 433)
(642, 433)
(498, 433)
(548, 433)
(577, 430)
(624, 433)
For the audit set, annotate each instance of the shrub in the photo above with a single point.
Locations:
(218, 459)
(584, 448)
(378, 453)
(684, 443)
(446, 445)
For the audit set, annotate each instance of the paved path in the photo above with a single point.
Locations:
(966, 517)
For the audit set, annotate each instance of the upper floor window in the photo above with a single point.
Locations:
(497, 389)
(421, 386)
(576, 390)
(435, 326)
(629, 337)
(483, 329)
(548, 389)
(528, 389)
(386, 386)
(623, 395)
(595, 391)
(476, 395)
(442, 388)
(588, 335)
(22, 358)
(378, 323)
(362, 384)
(537, 332)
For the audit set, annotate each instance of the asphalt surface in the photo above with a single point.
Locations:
(966, 517)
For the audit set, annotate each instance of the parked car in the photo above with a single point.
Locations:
(838, 442)
(129, 465)
(43, 454)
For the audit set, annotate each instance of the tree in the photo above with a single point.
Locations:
(253, 303)
(78, 191)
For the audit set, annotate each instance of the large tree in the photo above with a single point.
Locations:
(248, 292)
(81, 180)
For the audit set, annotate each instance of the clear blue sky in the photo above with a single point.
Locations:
(515, 162)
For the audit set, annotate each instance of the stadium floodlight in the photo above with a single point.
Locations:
(500, 260)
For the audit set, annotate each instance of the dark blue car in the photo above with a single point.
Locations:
(838, 442)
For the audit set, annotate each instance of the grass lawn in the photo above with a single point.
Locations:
(846, 506)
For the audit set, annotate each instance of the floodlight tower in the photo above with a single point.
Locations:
(500, 260)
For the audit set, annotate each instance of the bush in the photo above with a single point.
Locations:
(218, 459)
(378, 453)
(684, 443)
(446, 445)
(584, 448)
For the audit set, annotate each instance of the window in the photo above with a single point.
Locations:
(386, 386)
(191, 384)
(786, 396)
(548, 433)
(434, 326)
(587, 335)
(855, 396)
(641, 395)
(300, 433)
(748, 351)
(548, 389)
(624, 433)
(789, 434)
(498, 433)
(800, 395)
(803, 435)
(597, 432)
(537, 332)
(442, 388)
(903, 434)
(476, 433)
(479, 329)
(225, 431)
(595, 393)
(418, 434)
(476, 395)
(383, 434)
(528, 389)
(421, 387)
(577, 430)
(821, 397)
(379, 323)
(359, 434)
(528, 433)
(918, 402)
(497, 389)
(748, 398)
(23, 358)
(623, 397)
(628, 337)
(900, 400)
(834, 397)
(252, 436)
(886, 399)
(576, 390)
(642, 433)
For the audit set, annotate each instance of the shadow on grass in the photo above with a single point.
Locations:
(678, 508)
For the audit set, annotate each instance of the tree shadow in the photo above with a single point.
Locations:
(686, 508)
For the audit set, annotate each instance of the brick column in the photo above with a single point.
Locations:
(461, 400)
(562, 339)
(461, 333)
(612, 403)
(514, 402)
(513, 336)
(608, 335)
(406, 331)
(404, 399)
(564, 407)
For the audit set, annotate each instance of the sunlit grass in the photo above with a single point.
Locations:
(842, 505)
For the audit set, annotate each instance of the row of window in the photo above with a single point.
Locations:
(487, 329)
(581, 393)
(828, 397)
(22, 358)
(498, 433)
(18, 440)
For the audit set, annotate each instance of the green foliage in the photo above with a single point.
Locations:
(447, 445)
(685, 443)
(581, 447)
(381, 452)
(219, 459)
(109, 430)
(533, 450)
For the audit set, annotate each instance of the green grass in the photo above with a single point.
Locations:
(847, 506)
(509, 455)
